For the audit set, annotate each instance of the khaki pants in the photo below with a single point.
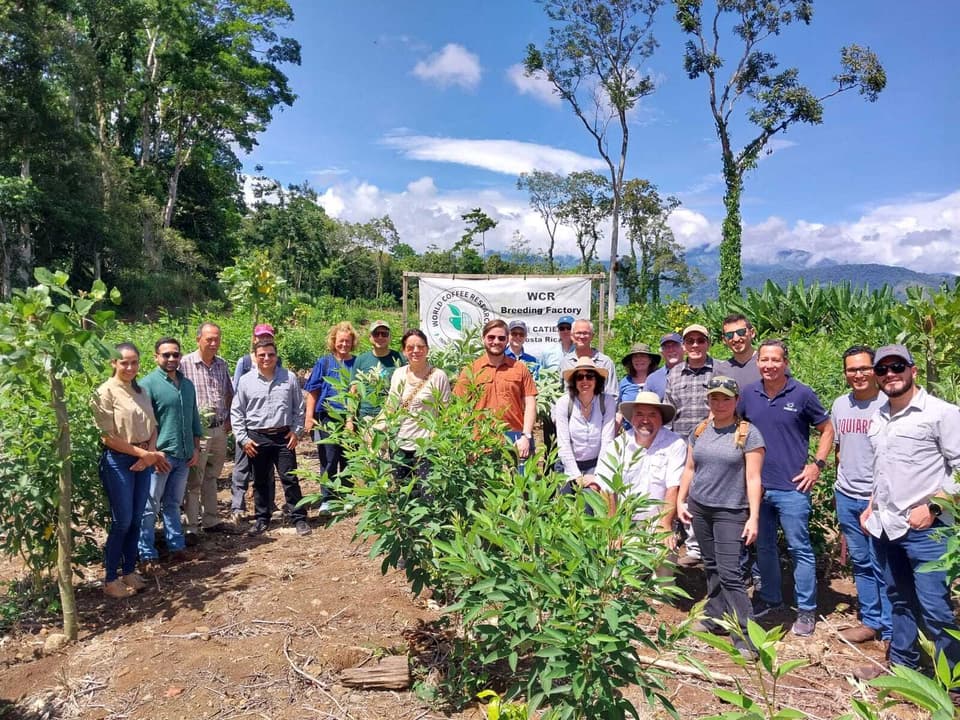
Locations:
(202, 481)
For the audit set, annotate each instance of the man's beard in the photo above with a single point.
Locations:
(907, 386)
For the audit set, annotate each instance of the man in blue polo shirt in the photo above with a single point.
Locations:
(784, 410)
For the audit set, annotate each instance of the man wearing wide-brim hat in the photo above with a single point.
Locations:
(650, 459)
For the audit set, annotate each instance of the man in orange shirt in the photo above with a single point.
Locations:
(507, 387)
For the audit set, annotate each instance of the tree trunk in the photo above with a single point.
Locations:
(171, 203)
(5, 286)
(22, 242)
(731, 270)
(64, 511)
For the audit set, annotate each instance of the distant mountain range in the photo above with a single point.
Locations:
(791, 266)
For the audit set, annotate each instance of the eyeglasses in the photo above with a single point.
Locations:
(858, 371)
(265, 356)
(585, 376)
(696, 341)
(170, 355)
(563, 328)
(381, 333)
(583, 333)
(725, 383)
(415, 348)
(739, 332)
(894, 367)
(497, 338)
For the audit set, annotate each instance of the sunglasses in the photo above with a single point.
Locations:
(265, 356)
(739, 332)
(381, 333)
(894, 367)
(169, 355)
(585, 376)
(695, 341)
(495, 338)
(726, 383)
(563, 328)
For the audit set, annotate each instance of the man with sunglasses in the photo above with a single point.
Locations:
(738, 336)
(916, 443)
(852, 414)
(784, 410)
(375, 367)
(174, 400)
(507, 386)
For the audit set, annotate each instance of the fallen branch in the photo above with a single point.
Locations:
(687, 670)
(322, 686)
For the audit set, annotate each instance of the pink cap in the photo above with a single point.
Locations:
(264, 329)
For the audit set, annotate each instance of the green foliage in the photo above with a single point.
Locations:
(499, 710)
(930, 694)
(930, 327)
(23, 601)
(252, 283)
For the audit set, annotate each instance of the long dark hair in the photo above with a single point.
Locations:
(120, 347)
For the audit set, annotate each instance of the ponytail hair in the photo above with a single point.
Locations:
(120, 347)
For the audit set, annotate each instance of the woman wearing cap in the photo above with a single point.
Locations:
(720, 493)
(128, 430)
(640, 362)
(585, 419)
(321, 401)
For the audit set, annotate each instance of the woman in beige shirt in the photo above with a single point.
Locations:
(124, 415)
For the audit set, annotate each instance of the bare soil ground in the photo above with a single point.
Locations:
(263, 627)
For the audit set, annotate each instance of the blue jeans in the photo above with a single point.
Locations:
(127, 494)
(871, 590)
(916, 595)
(791, 510)
(166, 495)
(513, 436)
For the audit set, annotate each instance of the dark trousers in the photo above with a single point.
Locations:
(719, 532)
(272, 452)
(239, 481)
(332, 460)
(917, 597)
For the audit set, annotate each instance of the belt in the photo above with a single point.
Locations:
(272, 430)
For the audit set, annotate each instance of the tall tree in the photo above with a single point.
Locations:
(588, 203)
(547, 190)
(779, 98)
(593, 59)
(380, 236)
(655, 256)
(478, 223)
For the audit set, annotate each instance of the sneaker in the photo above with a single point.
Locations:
(258, 528)
(116, 589)
(859, 634)
(805, 623)
(762, 607)
(870, 672)
(134, 580)
(325, 510)
(689, 561)
(302, 528)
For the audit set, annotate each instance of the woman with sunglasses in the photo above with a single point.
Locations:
(128, 430)
(720, 494)
(640, 362)
(585, 418)
(323, 410)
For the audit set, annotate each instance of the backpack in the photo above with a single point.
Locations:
(740, 438)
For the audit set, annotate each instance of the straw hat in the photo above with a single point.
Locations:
(667, 411)
(585, 363)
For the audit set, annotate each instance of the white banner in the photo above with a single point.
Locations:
(448, 307)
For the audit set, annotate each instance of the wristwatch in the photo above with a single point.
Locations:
(820, 463)
(527, 435)
(934, 508)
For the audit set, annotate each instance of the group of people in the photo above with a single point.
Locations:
(722, 446)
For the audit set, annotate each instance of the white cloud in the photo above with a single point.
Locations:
(920, 234)
(510, 157)
(536, 85)
(454, 65)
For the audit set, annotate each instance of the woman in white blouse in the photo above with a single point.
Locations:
(415, 389)
(585, 418)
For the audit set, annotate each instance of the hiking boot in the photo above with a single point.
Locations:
(191, 539)
(116, 589)
(689, 561)
(258, 528)
(859, 634)
(134, 581)
(761, 607)
(220, 527)
(185, 555)
(871, 671)
(302, 528)
(805, 623)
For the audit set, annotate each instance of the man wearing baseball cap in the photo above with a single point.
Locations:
(671, 350)
(375, 367)
(550, 359)
(916, 443)
(517, 330)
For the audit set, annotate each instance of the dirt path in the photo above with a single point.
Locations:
(237, 634)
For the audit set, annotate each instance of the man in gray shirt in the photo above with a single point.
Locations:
(916, 443)
(738, 335)
(851, 415)
(267, 416)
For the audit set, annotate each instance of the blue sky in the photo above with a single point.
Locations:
(419, 110)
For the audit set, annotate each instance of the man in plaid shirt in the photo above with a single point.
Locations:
(211, 377)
